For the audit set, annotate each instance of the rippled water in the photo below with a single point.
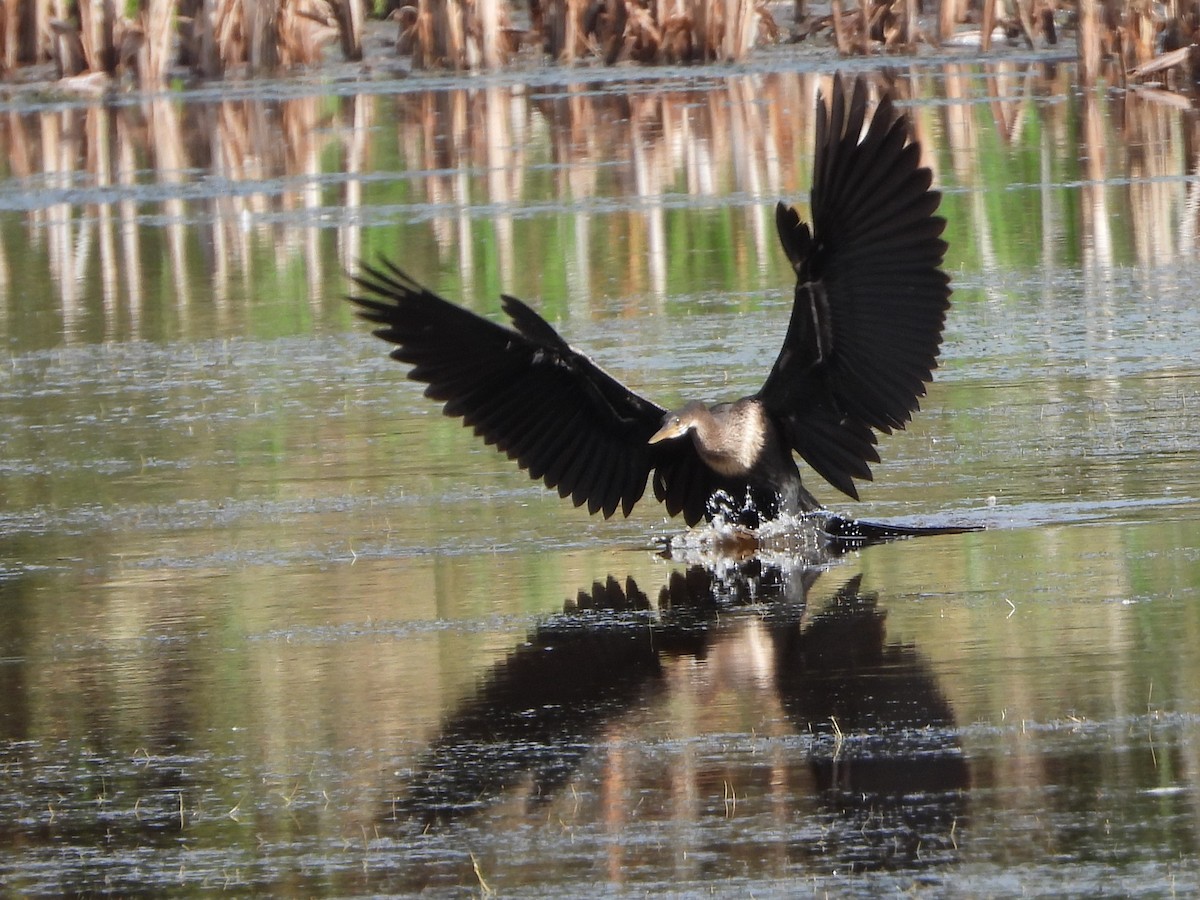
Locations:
(271, 623)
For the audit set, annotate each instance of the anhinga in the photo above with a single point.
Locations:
(866, 324)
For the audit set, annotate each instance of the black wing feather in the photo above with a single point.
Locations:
(523, 390)
(871, 297)
(861, 344)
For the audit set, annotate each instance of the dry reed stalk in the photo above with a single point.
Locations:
(10, 29)
(458, 34)
(210, 63)
(66, 49)
(641, 37)
(98, 31)
(1024, 10)
(488, 12)
(439, 42)
(63, 44)
(349, 15)
(839, 28)
(655, 32)
(306, 27)
(452, 28)
(1163, 63)
(421, 35)
(42, 12)
(1090, 19)
(725, 42)
(612, 23)
(156, 22)
(563, 37)
(229, 34)
(101, 43)
(197, 38)
(697, 24)
(864, 29)
(1139, 34)
(459, 13)
(986, 23)
(748, 17)
(263, 35)
(948, 18)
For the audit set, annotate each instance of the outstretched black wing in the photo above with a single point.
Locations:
(871, 297)
(526, 391)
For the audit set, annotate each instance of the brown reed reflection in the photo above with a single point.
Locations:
(129, 203)
(208, 180)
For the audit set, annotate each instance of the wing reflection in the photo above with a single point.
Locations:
(868, 722)
(885, 758)
(536, 714)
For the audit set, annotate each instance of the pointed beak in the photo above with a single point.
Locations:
(672, 428)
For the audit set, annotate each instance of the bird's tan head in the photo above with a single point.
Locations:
(679, 422)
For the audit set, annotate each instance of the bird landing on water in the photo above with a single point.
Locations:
(862, 341)
(810, 539)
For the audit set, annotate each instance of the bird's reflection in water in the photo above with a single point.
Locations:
(878, 735)
(536, 713)
(886, 759)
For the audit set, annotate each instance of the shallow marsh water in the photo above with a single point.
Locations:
(270, 622)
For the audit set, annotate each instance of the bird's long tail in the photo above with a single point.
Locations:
(850, 534)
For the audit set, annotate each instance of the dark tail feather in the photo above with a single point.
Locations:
(851, 534)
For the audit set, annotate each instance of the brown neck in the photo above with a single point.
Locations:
(731, 437)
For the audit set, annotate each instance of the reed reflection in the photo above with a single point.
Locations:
(873, 739)
(125, 204)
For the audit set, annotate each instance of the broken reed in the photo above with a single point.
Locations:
(211, 38)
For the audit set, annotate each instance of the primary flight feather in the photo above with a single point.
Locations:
(861, 344)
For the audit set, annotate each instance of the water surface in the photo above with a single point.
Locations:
(271, 622)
